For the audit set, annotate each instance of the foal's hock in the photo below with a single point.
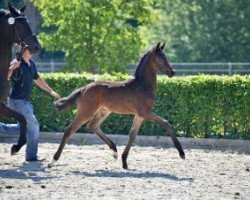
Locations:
(136, 96)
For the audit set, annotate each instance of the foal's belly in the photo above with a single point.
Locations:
(120, 107)
(120, 104)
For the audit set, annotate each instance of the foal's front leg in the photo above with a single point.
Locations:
(164, 123)
(132, 135)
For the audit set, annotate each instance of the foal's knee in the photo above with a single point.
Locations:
(165, 124)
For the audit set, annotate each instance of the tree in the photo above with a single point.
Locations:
(94, 34)
(203, 31)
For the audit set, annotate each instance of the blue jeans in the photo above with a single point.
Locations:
(26, 109)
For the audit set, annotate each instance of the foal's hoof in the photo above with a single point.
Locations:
(115, 155)
(14, 149)
(182, 155)
(50, 165)
(125, 166)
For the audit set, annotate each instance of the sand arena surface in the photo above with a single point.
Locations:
(90, 172)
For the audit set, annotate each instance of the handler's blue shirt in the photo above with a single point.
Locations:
(22, 81)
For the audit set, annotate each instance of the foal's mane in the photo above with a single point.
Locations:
(140, 63)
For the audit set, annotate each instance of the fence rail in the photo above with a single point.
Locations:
(180, 68)
(50, 66)
(212, 68)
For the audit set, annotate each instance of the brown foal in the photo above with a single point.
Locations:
(136, 96)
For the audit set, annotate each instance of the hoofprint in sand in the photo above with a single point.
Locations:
(90, 172)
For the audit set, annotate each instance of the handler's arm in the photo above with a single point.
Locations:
(13, 65)
(44, 86)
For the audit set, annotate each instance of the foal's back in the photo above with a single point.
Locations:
(125, 97)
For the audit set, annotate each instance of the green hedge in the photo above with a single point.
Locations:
(196, 106)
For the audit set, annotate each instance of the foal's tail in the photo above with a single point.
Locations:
(68, 101)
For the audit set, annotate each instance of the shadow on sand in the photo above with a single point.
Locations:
(26, 171)
(132, 174)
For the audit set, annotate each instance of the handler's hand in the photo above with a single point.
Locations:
(55, 95)
(14, 64)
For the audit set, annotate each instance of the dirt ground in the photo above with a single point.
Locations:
(90, 172)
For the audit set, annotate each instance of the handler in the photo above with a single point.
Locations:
(22, 73)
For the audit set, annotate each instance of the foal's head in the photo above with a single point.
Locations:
(20, 31)
(160, 61)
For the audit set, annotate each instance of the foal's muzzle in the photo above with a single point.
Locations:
(171, 73)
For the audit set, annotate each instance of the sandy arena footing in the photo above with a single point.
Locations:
(90, 172)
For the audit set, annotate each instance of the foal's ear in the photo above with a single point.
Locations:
(158, 46)
(23, 9)
(12, 9)
(162, 47)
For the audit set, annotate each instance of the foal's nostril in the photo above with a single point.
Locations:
(171, 73)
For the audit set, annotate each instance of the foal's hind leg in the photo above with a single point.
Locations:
(164, 123)
(132, 135)
(69, 131)
(94, 125)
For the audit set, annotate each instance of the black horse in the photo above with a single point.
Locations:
(14, 28)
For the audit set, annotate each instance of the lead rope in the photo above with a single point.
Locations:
(18, 55)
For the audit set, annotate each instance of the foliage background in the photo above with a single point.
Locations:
(107, 36)
(203, 31)
(94, 34)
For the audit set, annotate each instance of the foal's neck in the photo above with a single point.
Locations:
(146, 75)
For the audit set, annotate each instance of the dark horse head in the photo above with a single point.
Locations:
(160, 60)
(18, 30)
